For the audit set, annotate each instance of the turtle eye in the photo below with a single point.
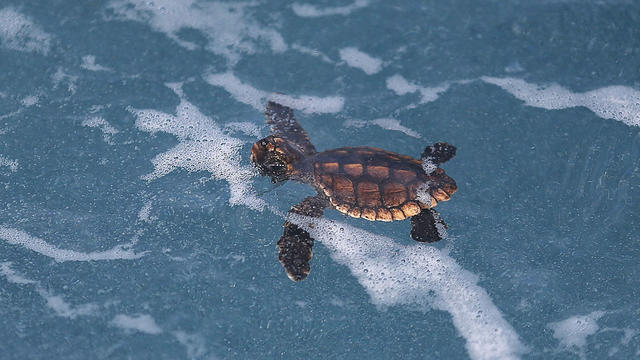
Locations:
(276, 166)
(263, 143)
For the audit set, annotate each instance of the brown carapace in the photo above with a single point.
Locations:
(362, 182)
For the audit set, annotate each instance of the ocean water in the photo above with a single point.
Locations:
(133, 226)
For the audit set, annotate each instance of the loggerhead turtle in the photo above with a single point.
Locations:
(363, 182)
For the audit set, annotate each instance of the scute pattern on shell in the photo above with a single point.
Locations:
(376, 184)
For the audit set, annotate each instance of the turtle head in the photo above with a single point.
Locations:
(275, 157)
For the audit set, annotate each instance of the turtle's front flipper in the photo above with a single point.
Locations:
(296, 245)
(424, 226)
(284, 125)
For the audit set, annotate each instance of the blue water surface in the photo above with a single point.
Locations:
(133, 226)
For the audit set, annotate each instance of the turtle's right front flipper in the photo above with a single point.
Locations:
(296, 245)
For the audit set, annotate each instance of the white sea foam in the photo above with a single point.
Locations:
(18, 237)
(573, 332)
(64, 309)
(227, 26)
(257, 98)
(60, 77)
(145, 213)
(107, 129)
(12, 165)
(428, 165)
(30, 100)
(423, 195)
(621, 103)
(89, 63)
(627, 335)
(398, 84)
(27, 101)
(393, 124)
(308, 10)
(8, 115)
(423, 277)
(194, 344)
(240, 91)
(55, 302)
(14, 277)
(514, 68)
(358, 59)
(141, 322)
(310, 104)
(19, 32)
(385, 123)
(203, 147)
(313, 52)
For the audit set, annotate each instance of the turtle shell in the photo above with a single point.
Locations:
(376, 184)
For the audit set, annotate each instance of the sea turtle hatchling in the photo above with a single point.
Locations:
(363, 182)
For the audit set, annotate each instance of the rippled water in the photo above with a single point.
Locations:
(132, 224)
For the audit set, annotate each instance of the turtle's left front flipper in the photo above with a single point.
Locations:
(424, 226)
(284, 124)
(296, 245)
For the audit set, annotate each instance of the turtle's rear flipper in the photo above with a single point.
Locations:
(439, 153)
(296, 250)
(296, 245)
(425, 226)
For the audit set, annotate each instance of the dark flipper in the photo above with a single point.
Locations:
(439, 153)
(423, 226)
(284, 124)
(296, 245)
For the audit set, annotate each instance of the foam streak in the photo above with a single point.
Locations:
(12, 165)
(398, 84)
(89, 63)
(385, 123)
(55, 302)
(257, 98)
(573, 332)
(358, 59)
(422, 276)
(620, 103)
(142, 323)
(17, 237)
(228, 27)
(307, 10)
(203, 147)
(107, 129)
